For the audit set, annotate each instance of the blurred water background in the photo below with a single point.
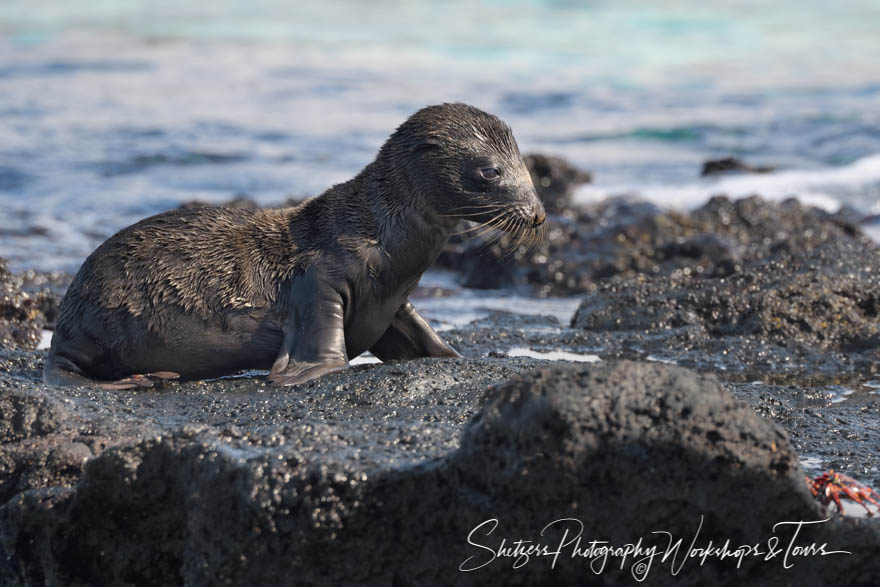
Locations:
(112, 110)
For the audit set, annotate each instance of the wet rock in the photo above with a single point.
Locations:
(503, 321)
(378, 476)
(433, 292)
(830, 432)
(826, 298)
(295, 200)
(244, 202)
(25, 416)
(28, 304)
(608, 425)
(799, 307)
(46, 289)
(240, 201)
(622, 237)
(731, 164)
(555, 180)
(45, 441)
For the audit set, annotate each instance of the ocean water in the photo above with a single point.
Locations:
(113, 110)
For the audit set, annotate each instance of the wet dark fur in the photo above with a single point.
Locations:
(210, 291)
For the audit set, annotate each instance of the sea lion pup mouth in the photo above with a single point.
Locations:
(476, 173)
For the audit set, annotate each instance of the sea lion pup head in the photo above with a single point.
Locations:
(467, 165)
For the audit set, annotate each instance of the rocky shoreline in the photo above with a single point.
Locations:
(770, 313)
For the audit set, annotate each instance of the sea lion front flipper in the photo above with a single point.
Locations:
(145, 380)
(298, 373)
(314, 334)
(410, 337)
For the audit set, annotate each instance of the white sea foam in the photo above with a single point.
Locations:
(657, 359)
(839, 393)
(468, 305)
(555, 355)
(45, 339)
(820, 187)
(365, 359)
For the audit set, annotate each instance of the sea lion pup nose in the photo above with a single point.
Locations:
(205, 292)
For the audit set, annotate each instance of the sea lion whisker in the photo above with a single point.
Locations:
(507, 253)
(510, 227)
(469, 229)
(490, 224)
(476, 227)
(498, 233)
(519, 237)
(534, 244)
(513, 228)
(489, 229)
(536, 241)
(503, 227)
(505, 236)
(512, 250)
(490, 244)
(529, 236)
(544, 233)
(475, 207)
(466, 216)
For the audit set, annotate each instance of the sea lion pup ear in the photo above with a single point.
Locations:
(426, 144)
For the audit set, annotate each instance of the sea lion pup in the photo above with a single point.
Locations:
(206, 292)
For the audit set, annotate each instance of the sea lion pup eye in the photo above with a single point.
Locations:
(489, 173)
(205, 292)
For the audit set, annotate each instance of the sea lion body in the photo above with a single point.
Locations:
(205, 292)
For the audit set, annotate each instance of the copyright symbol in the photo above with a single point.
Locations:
(640, 569)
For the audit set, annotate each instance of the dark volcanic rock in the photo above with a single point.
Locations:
(827, 298)
(243, 202)
(555, 180)
(794, 326)
(799, 306)
(28, 303)
(731, 164)
(240, 201)
(620, 237)
(379, 475)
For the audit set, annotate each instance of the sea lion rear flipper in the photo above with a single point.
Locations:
(314, 335)
(61, 373)
(410, 337)
(59, 370)
(142, 380)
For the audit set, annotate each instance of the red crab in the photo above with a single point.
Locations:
(829, 486)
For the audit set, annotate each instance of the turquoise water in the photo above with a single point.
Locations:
(112, 110)
(631, 43)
